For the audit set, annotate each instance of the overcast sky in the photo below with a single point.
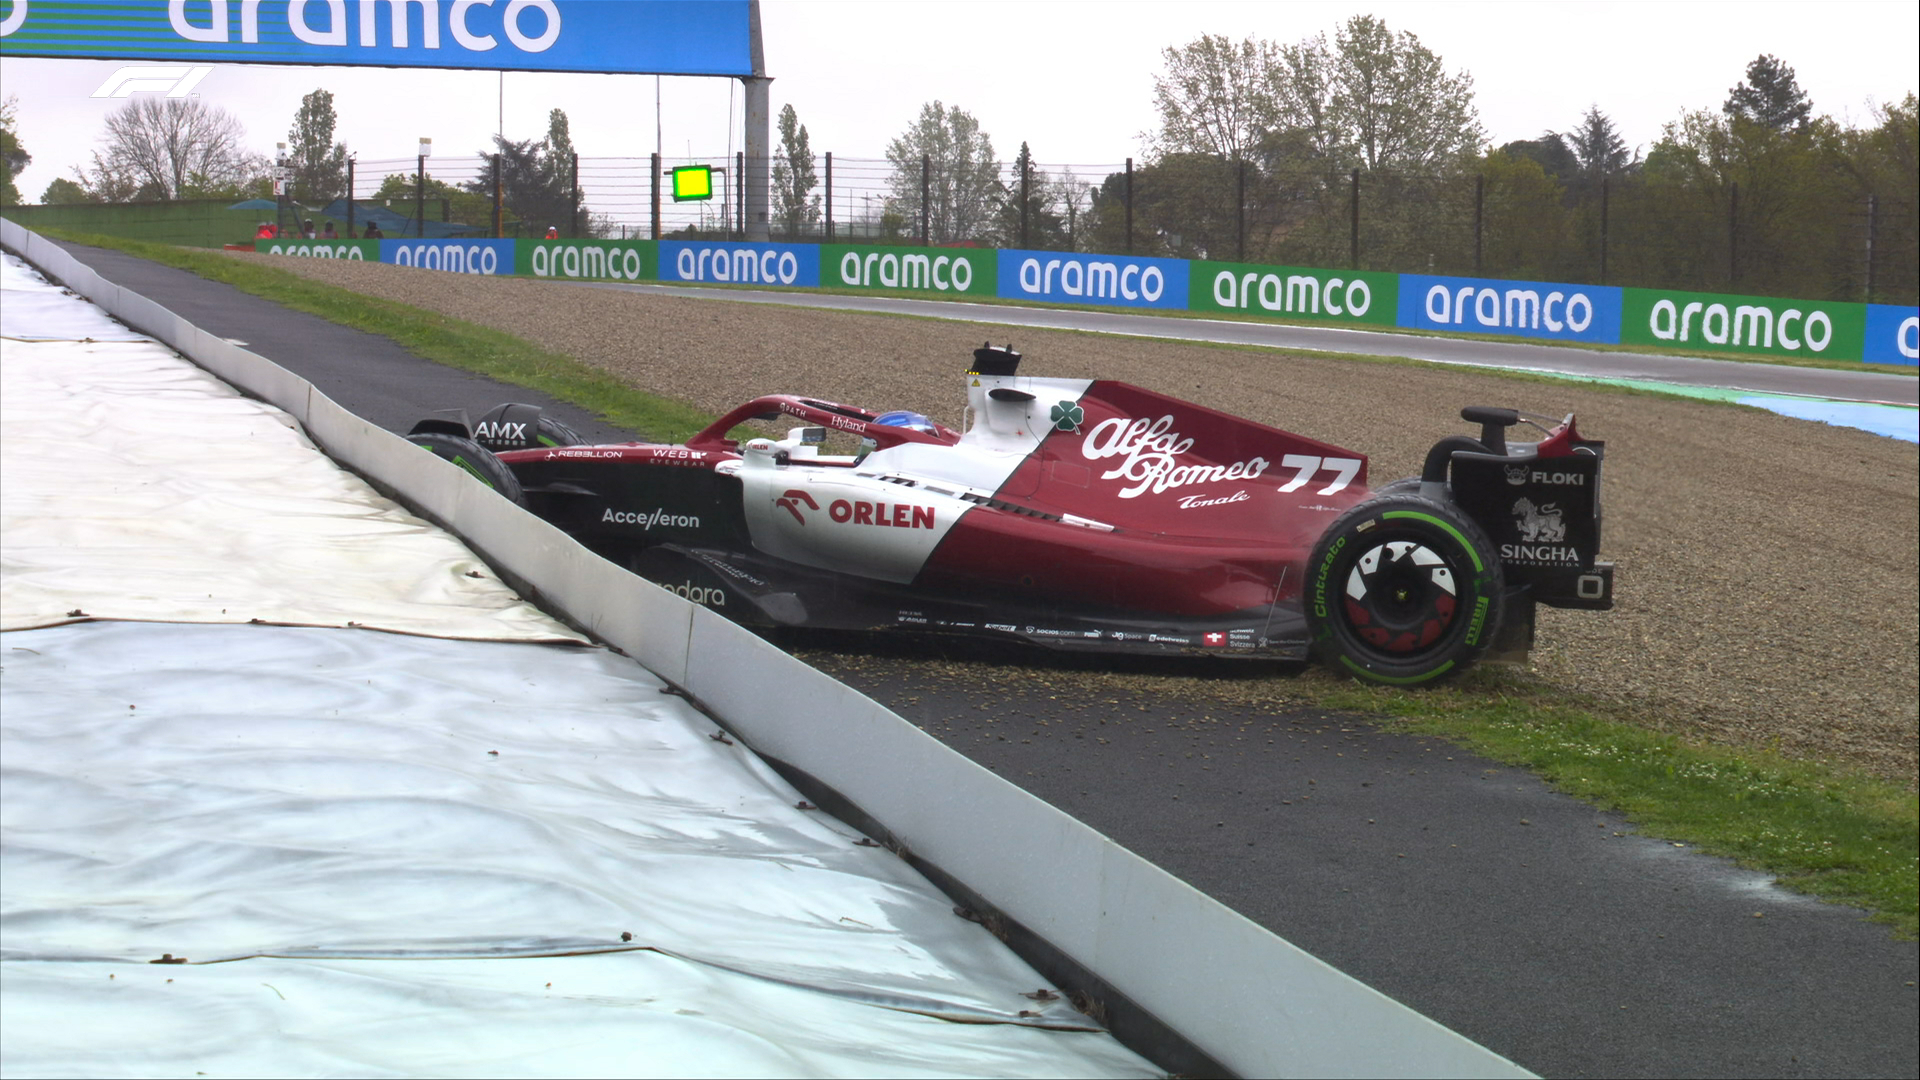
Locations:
(1074, 79)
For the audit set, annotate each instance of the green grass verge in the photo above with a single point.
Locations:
(1822, 830)
(427, 334)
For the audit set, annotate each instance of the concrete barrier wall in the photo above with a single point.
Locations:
(1255, 1003)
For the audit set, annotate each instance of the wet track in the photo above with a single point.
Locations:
(1530, 922)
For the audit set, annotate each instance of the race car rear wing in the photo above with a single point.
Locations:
(1538, 502)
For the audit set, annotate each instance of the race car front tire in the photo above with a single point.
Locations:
(477, 460)
(1403, 590)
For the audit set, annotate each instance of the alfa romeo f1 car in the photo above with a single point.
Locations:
(1081, 514)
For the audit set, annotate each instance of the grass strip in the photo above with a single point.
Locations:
(1821, 830)
(433, 336)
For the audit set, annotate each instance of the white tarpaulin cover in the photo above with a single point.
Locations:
(134, 485)
(390, 854)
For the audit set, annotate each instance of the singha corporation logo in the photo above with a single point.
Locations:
(1539, 524)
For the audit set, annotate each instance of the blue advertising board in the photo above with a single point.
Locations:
(741, 264)
(1893, 335)
(1531, 309)
(665, 37)
(1105, 280)
(456, 256)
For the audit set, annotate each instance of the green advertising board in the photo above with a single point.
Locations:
(1755, 324)
(1294, 292)
(362, 250)
(967, 271)
(588, 260)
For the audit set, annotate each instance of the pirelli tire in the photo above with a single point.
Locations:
(1403, 590)
(477, 460)
(551, 432)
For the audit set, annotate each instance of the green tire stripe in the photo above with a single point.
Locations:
(1478, 567)
(1401, 680)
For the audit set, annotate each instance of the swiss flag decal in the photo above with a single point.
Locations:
(1214, 638)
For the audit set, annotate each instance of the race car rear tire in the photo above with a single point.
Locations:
(477, 460)
(551, 432)
(1403, 590)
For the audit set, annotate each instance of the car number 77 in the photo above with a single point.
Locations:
(1344, 470)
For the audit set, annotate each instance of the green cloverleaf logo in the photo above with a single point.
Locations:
(1067, 416)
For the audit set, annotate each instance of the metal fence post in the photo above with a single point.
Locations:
(1873, 208)
(420, 199)
(829, 196)
(574, 178)
(498, 186)
(656, 195)
(1353, 232)
(1129, 206)
(740, 171)
(350, 162)
(1733, 236)
(1026, 174)
(1479, 218)
(1240, 210)
(926, 192)
(1603, 230)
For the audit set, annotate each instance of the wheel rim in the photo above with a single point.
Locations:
(1401, 597)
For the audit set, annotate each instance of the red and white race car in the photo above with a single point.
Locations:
(1082, 514)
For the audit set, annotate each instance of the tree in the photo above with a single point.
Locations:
(164, 148)
(558, 152)
(1550, 151)
(1216, 97)
(793, 176)
(1046, 228)
(532, 189)
(965, 181)
(64, 192)
(1770, 96)
(1597, 147)
(319, 163)
(1394, 103)
(12, 157)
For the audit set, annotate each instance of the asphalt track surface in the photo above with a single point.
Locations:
(1544, 929)
(1832, 384)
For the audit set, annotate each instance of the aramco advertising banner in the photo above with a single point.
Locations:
(1709, 322)
(1296, 292)
(1714, 322)
(651, 37)
(792, 265)
(1893, 335)
(362, 250)
(1063, 277)
(962, 271)
(1528, 309)
(589, 260)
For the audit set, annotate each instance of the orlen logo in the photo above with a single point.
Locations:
(1150, 447)
(898, 516)
(791, 502)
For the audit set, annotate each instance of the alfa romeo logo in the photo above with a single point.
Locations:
(1067, 416)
